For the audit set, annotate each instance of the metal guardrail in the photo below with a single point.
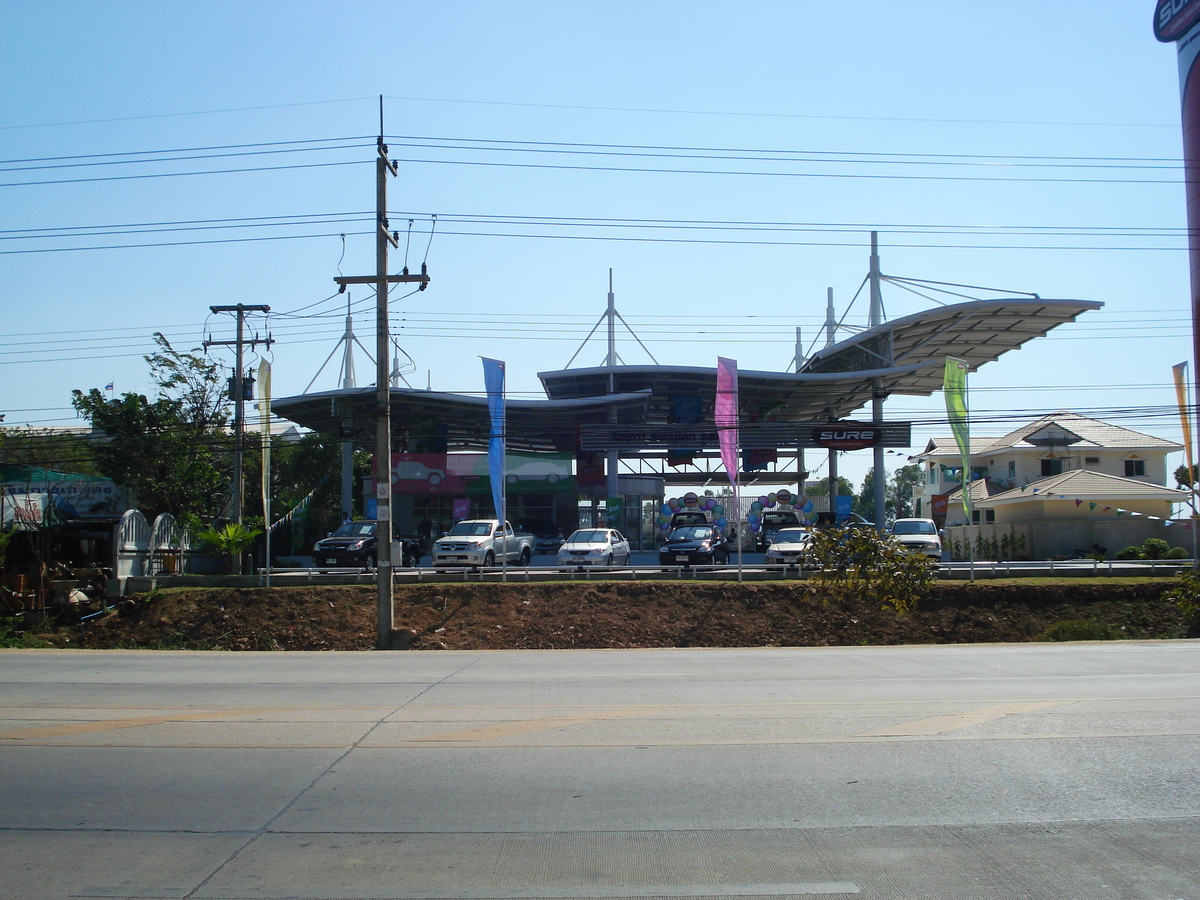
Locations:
(755, 570)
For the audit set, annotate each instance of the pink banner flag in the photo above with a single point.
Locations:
(726, 415)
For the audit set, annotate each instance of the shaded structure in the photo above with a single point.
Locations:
(905, 356)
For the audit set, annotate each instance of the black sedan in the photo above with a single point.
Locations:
(694, 545)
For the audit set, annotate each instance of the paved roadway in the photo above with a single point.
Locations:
(988, 771)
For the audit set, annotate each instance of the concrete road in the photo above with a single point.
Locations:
(989, 771)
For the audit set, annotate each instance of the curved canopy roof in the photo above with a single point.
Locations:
(907, 355)
(904, 356)
(458, 421)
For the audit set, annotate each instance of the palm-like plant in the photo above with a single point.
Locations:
(231, 540)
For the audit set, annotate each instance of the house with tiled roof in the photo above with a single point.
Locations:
(1063, 482)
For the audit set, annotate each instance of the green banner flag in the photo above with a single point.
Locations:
(954, 386)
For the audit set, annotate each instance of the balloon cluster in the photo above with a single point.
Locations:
(784, 499)
(690, 502)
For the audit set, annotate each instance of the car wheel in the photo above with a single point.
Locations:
(608, 560)
(525, 557)
(489, 560)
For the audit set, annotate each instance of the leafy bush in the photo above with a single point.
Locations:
(863, 564)
(1131, 553)
(1080, 630)
(1155, 548)
(1186, 595)
(13, 635)
(1177, 553)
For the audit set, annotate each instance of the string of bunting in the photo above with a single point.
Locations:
(1094, 505)
(302, 505)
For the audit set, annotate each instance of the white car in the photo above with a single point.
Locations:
(918, 535)
(791, 547)
(410, 470)
(594, 547)
(539, 470)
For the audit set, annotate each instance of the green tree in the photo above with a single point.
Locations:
(53, 450)
(169, 452)
(820, 487)
(297, 467)
(901, 487)
(1182, 479)
(897, 493)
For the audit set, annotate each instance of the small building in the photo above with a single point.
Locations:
(1060, 485)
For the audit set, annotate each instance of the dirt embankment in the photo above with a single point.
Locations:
(621, 615)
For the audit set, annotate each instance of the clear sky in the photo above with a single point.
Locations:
(726, 161)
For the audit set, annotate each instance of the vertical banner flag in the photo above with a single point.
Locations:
(954, 386)
(726, 415)
(1181, 393)
(493, 382)
(1178, 22)
(264, 410)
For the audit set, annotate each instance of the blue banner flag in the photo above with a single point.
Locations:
(493, 382)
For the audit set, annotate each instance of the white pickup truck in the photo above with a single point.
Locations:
(481, 543)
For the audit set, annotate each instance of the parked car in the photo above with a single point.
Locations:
(772, 521)
(694, 545)
(539, 470)
(355, 545)
(918, 535)
(792, 548)
(410, 470)
(594, 547)
(547, 536)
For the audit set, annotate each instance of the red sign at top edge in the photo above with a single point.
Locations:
(1175, 18)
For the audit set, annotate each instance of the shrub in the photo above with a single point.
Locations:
(862, 563)
(1131, 553)
(232, 540)
(1186, 595)
(1080, 630)
(1177, 553)
(1155, 548)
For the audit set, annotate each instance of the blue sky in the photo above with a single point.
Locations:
(1027, 146)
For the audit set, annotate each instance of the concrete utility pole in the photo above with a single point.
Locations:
(877, 394)
(610, 361)
(238, 395)
(385, 594)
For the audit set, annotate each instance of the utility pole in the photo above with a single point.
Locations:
(877, 392)
(385, 602)
(239, 420)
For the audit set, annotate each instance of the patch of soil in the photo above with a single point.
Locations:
(546, 616)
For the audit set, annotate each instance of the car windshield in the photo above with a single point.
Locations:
(791, 535)
(588, 537)
(692, 533)
(471, 529)
(778, 518)
(355, 529)
(915, 526)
